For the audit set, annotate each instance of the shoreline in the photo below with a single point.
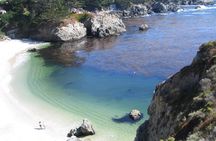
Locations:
(18, 122)
(21, 110)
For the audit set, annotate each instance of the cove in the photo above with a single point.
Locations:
(103, 79)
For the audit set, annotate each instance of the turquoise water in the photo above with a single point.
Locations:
(103, 79)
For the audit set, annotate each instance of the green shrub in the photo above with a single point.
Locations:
(81, 17)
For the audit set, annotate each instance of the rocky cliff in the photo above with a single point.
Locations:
(184, 106)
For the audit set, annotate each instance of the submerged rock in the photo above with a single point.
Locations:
(143, 27)
(183, 107)
(84, 130)
(104, 24)
(135, 114)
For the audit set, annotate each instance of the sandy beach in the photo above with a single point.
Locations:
(18, 122)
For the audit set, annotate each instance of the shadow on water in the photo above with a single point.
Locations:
(126, 119)
(73, 54)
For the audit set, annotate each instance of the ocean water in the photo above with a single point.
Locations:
(103, 79)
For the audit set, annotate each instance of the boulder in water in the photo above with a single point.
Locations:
(143, 27)
(135, 114)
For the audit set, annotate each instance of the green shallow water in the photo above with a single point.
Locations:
(103, 97)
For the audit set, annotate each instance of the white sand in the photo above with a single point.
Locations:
(18, 122)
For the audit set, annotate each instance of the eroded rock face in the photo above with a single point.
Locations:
(183, 107)
(104, 24)
(67, 32)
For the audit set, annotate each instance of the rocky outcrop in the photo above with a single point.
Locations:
(84, 130)
(137, 9)
(159, 7)
(68, 31)
(104, 24)
(184, 106)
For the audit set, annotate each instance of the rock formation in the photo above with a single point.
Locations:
(84, 130)
(159, 7)
(104, 24)
(68, 31)
(184, 106)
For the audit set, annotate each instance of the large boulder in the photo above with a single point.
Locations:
(67, 31)
(159, 7)
(104, 24)
(84, 130)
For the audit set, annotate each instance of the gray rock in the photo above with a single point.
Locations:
(71, 31)
(135, 114)
(126, 13)
(143, 27)
(159, 7)
(66, 32)
(84, 130)
(173, 7)
(104, 24)
(138, 9)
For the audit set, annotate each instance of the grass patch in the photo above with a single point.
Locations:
(209, 44)
(82, 17)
